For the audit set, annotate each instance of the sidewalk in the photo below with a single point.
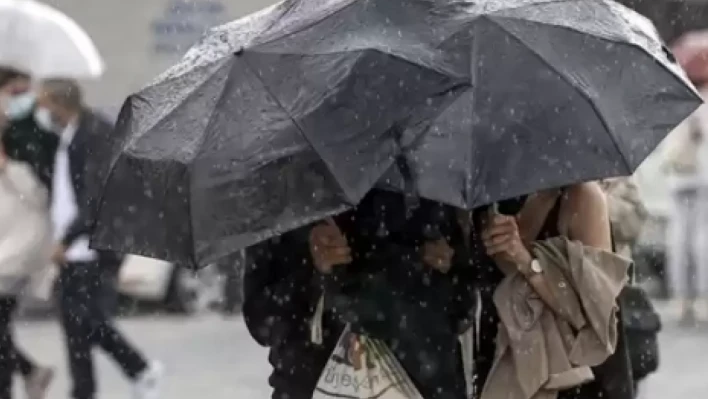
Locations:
(683, 369)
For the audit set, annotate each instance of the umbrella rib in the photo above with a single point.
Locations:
(590, 100)
(297, 125)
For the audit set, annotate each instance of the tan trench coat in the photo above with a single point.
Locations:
(540, 352)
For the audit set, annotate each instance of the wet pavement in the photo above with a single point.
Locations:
(213, 357)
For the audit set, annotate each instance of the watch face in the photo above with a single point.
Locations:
(536, 266)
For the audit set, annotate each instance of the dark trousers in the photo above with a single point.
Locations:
(84, 289)
(233, 284)
(11, 359)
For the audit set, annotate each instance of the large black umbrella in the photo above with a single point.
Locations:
(271, 122)
(562, 92)
(302, 119)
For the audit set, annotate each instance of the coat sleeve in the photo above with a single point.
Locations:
(281, 288)
(20, 180)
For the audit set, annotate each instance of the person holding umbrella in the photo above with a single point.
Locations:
(578, 213)
(390, 276)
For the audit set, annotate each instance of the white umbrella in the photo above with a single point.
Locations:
(44, 42)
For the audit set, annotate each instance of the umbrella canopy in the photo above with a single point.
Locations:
(43, 42)
(563, 92)
(271, 122)
(294, 113)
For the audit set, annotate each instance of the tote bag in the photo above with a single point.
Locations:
(360, 368)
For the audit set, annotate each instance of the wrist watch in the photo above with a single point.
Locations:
(532, 269)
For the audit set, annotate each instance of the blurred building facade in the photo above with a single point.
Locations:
(139, 39)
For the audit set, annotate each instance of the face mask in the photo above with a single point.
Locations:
(18, 106)
(44, 119)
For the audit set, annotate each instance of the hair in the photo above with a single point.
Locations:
(65, 93)
(8, 74)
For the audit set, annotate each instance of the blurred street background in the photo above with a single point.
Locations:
(213, 355)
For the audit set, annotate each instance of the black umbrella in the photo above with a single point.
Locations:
(271, 122)
(562, 92)
(225, 150)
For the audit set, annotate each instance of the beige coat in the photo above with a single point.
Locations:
(627, 212)
(25, 237)
(540, 352)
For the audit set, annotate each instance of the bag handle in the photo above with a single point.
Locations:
(316, 334)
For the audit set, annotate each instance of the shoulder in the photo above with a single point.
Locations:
(19, 170)
(582, 203)
(585, 195)
(94, 122)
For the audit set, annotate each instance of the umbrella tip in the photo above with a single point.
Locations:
(238, 51)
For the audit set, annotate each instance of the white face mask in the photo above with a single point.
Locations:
(44, 119)
(18, 106)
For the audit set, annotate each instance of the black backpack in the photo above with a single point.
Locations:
(641, 324)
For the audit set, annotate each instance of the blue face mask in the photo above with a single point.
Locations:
(19, 106)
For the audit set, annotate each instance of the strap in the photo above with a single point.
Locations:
(316, 335)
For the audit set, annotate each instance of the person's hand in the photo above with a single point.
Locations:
(503, 243)
(328, 247)
(59, 255)
(438, 255)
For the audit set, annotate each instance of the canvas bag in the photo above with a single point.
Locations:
(360, 368)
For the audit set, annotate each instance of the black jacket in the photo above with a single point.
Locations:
(88, 164)
(24, 141)
(385, 293)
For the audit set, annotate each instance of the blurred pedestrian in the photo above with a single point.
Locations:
(687, 261)
(24, 257)
(21, 140)
(86, 275)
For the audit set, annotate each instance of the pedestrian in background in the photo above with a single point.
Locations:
(21, 146)
(24, 258)
(687, 262)
(86, 275)
(685, 259)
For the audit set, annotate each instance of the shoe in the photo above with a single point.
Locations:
(37, 383)
(147, 383)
